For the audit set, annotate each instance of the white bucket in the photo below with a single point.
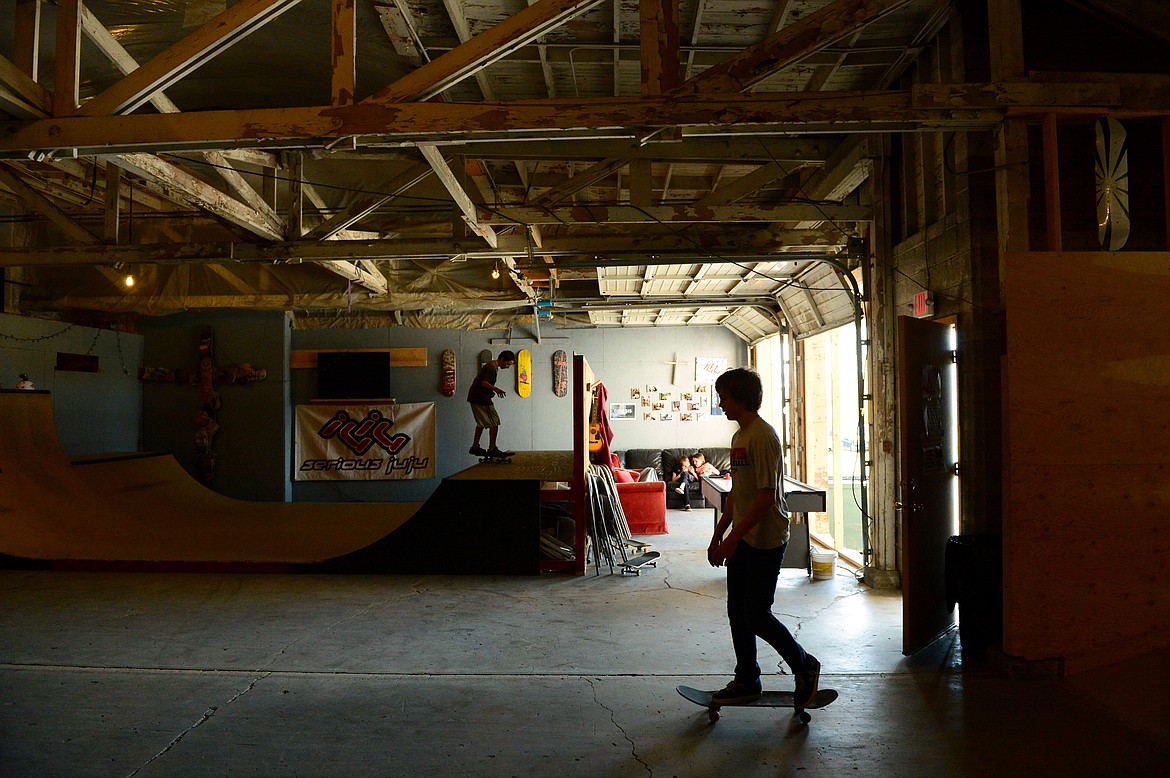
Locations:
(824, 564)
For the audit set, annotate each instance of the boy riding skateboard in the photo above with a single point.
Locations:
(754, 548)
(483, 389)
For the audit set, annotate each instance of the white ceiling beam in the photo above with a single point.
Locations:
(447, 177)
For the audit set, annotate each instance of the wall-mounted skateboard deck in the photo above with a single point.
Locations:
(523, 372)
(485, 356)
(447, 372)
(560, 373)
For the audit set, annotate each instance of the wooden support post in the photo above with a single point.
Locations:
(1052, 182)
(26, 37)
(65, 86)
(113, 203)
(344, 43)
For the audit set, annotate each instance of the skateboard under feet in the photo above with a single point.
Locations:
(505, 459)
(766, 700)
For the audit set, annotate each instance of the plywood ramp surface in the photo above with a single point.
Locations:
(150, 509)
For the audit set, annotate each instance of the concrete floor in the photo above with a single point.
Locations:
(195, 675)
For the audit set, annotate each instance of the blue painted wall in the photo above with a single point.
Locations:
(95, 412)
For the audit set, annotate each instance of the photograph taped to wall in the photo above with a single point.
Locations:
(619, 411)
(650, 416)
(707, 369)
(635, 393)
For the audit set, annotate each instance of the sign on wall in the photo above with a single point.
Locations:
(707, 369)
(379, 442)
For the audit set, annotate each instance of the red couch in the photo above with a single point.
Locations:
(644, 503)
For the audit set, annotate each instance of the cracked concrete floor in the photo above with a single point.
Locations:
(176, 675)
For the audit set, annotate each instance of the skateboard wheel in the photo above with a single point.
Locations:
(713, 715)
(805, 716)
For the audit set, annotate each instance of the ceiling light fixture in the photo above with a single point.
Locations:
(496, 270)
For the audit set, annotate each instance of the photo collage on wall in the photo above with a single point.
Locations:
(669, 403)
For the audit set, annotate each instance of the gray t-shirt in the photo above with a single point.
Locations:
(758, 463)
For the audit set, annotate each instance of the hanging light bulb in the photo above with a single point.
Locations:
(496, 270)
(128, 280)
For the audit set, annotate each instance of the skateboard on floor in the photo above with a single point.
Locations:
(767, 700)
(634, 565)
(560, 373)
(447, 360)
(523, 372)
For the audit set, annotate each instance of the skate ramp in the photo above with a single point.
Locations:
(147, 511)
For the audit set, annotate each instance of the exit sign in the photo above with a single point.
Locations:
(923, 305)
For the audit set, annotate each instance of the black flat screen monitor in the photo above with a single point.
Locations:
(351, 375)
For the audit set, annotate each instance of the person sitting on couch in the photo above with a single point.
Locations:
(625, 475)
(701, 465)
(683, 474)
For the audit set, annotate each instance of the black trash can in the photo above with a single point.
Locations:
(974, 580)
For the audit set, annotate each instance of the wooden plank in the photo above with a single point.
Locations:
(44, 206)
(344, 46)
(816, 31)
(263, 127)
(489, 46)
(26, 37)
(20, 95)
(399, 357)
(196, 49)
(1051, 182)
(455, 189)
(67, 61)
(113, 215)
(658, 22)
(660, 214)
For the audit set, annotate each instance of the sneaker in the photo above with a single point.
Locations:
(477, 451)
(495, 452)
(680, 490)
(738, 693)
(686, 506)
(806, 683)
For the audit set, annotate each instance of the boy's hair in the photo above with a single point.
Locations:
(506, 356)
(742, 385)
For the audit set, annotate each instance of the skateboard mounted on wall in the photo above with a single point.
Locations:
(560, 363)
(523, 372)
(447, 372)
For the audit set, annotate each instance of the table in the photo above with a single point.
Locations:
(798, 496)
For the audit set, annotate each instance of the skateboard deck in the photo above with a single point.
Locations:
(505, 460)
(560, 373)
(447, 360)
(634, 565)
(485, 356)
(767, 700)
(1112, 174)
(523, 372)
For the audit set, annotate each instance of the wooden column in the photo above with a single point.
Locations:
(1052, 183)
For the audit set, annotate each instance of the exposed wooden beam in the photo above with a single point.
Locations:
(668, 214)
(180, 186)
(820, 29)
(364, 204)
(579, 181)
(67, 62)
(113, 210)
(34, 200)
(1140, 16)
(463, 31)
(449, 180)
(20, 96)
(658, 22)
(464, 60)
(343, 48)
(196, 49)
(941, 107)
(26, 38)
(745, 185)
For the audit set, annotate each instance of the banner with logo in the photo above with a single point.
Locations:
(338, 441)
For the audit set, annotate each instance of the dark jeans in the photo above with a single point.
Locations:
(751, 589)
